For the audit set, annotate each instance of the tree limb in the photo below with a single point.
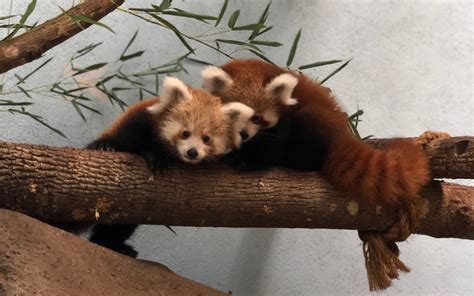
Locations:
(37, 259)
(67, 184)
(451, 158)
(31, 45)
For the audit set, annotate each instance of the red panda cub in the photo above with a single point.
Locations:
(298, 124)
(184, 124)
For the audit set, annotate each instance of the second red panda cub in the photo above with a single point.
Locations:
(186, 124)
(300, 125)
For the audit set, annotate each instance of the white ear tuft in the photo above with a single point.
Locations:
(282, 86)
(157, 108)
(238, 111)
(173, 90)
(215, 79)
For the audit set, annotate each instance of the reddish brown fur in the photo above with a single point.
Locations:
(131, 112)
(203, 111)
(391, 176)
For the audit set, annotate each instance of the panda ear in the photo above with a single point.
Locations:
(174, 90)
(237, 111)
(215, 79)
(281, 87)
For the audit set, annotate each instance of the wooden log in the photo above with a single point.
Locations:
(33, 44)
(65, 184)
(37, 259)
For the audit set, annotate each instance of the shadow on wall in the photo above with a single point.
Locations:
(251, 259)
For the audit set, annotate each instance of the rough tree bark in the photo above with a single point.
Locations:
(453, 158)
(37, 259)
(64, 184)
(31, 45)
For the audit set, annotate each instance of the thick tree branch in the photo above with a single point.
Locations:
(37, 259)
(451, 158)
(64, 184)
(31, 45)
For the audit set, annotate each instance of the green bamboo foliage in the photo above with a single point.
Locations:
(222, 33)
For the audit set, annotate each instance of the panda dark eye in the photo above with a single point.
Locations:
(256, 119)
(185, 134)
(205, 138)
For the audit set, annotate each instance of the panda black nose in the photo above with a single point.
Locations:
(244, 135)
(192, 153)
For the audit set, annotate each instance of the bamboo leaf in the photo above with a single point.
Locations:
(356, 115)
(263, 31)
(32, 26)
(335, 71)
(112, 97)
(7, 17)
(261, 56)
(221, 14)
(174, 29)
(129, 43)
(249, 27)
(165, 4)
(24, 91)
(149, 92)
(12, 103)
(86, 50)
(78, 110)
(124, 77)
(291, 56)
(124, 58)
(89, 68)
(38, 119)
(318, 64)
(115, 89)
(147, 10)
(77, 18)
(354, 129)
(236, 42)
(262, 20)
(21, 80)
(367, 138)
(157, 84)
(266, 43)
(200, 61)
(29, 9)
(89, 108)
(104, 80)
(233, 19)
(14, 26)
(78, 89)
(182, 13)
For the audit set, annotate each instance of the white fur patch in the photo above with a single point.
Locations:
(193, 142)
(220, 147)
(215, 79)
(271, 117)
(157, 108)
(239, 115)
(242, 111)
(173, 90)
(282, 86)
(170, 129)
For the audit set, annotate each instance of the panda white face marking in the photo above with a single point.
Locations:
(196, 124)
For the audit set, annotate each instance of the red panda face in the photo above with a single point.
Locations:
(196, 124)
(267, 100)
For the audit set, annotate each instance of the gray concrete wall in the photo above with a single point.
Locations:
(412, 70)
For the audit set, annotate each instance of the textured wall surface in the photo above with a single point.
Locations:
(412, 70)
